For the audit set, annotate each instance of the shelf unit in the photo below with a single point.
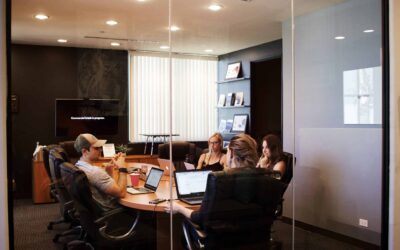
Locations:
(234, 80)
(234, 107)
(227, 112)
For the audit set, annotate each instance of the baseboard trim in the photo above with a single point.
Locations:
(331, 234)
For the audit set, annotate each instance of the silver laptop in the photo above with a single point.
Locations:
(165, 165)
(151, 184)
(191, 185)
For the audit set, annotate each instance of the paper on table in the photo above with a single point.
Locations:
(108, 150)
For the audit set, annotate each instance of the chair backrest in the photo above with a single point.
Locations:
(181, 151)
(239, 207)
(46, 153)
(70, 151)
(57, 156)
(287, 177)
(78, 187)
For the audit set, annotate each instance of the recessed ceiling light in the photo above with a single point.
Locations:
(62, 40)
(41, 17)
(115, 44)
(339, 37)
(164, 47)
(368, 31)
(208, 50)
(141, 0)
(215, 7)
(175, 28)
(112, 22)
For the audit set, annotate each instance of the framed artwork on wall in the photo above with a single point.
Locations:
(239, 123)
(233, 70)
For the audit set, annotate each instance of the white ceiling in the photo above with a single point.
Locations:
(144, 25)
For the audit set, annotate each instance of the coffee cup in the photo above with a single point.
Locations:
(135, 179)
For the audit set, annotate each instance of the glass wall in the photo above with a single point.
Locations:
(308, 72)
(336, 123)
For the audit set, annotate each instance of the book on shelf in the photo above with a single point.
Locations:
(239, 99)
(228, 127)
(221, 100)
(222, 126)
(230, 99)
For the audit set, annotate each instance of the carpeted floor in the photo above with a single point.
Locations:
(30, 231)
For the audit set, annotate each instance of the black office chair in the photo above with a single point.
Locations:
(58, 156)
(53, 191)
(237, 211)
(70, 151)
(115, 228)
(182, 151)
(286, 178)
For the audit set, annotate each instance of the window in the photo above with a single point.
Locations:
(194, 96)
(362, 96)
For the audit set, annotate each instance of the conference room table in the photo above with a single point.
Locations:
(141, 202)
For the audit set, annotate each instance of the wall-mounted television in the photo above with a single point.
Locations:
(95, 116)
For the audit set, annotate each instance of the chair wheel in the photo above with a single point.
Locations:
(56, 237)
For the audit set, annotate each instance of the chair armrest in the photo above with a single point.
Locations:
(189, 228)
(105, 219)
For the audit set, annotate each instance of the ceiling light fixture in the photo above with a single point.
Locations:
(112, 22)
(164, 47)
(62, 40)
(368, 31)
(115, 44)
(174, 28)
(208, 50)
(41, 17)
(339, 37)
(215, 7)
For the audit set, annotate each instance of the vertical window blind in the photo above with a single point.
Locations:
(194, 96)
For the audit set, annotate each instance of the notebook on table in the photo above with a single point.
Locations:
(189, 166)
(191, 185)
(151, 183)
(165, 165)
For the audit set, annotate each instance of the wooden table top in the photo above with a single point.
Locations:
(141, 201)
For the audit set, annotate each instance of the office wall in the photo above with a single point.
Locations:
(338, 173)
(40, 74)
(4, 242)
(394, 217)
(270, 50)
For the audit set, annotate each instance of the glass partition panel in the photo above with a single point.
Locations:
(227, 62)
(93, 51)
(337, 119)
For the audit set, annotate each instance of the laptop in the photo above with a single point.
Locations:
(191, 185)
(151, 184)
(165, 165)
(189, 166)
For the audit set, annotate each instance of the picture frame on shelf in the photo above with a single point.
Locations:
(239, 123)
(230, 99)
(239, 99)
(233, 70)
(221, 100)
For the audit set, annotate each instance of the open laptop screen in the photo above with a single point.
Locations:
(190, 183)
(154, 178)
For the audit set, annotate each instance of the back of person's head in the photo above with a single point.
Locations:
(275, 147)
(243, 151)
(85, 141)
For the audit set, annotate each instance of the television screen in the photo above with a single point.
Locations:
(95, 116)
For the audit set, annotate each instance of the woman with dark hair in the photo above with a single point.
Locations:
(272, 154)
(214, 159)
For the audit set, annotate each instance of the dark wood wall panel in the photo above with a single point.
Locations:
(40, 74)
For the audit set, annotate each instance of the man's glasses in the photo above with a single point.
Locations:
(98, 148)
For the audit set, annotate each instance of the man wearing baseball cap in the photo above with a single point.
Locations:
(105, 190)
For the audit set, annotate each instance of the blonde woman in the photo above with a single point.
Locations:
(214, 159)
